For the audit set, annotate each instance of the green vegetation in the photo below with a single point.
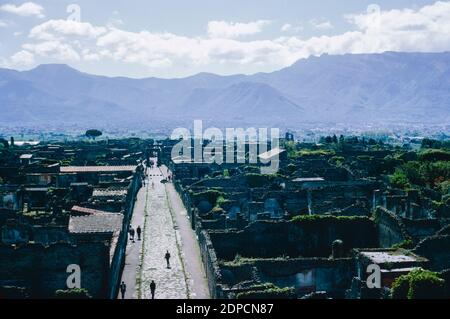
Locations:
(331, 218)
(406, 244)
(270, 293)
(319, 152)
(93, 134)
(210, 195)
(76, 293)
(434, 155)
(419, 284)
(337, 160)
(417, 173)
(258, 180)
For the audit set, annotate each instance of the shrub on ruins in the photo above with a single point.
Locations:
(76, 293)
(399, 180)
(271, 293)
(337, 160)
(406, 244)
(434, 155)
(419, 284)
(430, 143)
(314, 153)
(258, 180)
(210, 195)
(327, 218)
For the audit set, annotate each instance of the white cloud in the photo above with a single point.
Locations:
(26, 9)
(287, 27)
(21, 59)
(224, 29)
(3, 24)
(425, 29)
(57, 28)
(53, 49)
(321, 25)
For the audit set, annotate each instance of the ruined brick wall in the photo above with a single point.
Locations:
(436, 250)
(265, 239)
(391, 229)
(304, 274)
(210, 263)
(43, 269)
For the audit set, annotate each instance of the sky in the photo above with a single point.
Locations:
(179, 38)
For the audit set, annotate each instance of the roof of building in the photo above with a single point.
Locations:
(391, 256)
(97, 169)
(273, 152)
(85, 210)
(309, 179)
(96, 223)
(110, 192)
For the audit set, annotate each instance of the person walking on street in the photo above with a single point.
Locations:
(167, 257)
(132, 234)
(138, 231)
(152, 289)
(123, 289)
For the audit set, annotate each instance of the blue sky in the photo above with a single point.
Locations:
(175, 38)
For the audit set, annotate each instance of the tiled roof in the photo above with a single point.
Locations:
(96, 223)
(85, 210)
(96, 169)
(110, 192)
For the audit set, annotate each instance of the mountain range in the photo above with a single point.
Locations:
(359, 88)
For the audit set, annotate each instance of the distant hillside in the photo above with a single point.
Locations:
(392, 87)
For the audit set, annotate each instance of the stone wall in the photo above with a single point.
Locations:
(391, 229)
(265, 239)
(304, 274)
(42, 269)
(436, 250)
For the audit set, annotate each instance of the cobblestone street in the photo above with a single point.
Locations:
(160, 235)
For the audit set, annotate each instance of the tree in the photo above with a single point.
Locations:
(335, 140)
(93, 134)
(4, 142)
(419, 284)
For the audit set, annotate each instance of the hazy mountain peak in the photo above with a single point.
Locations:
(391, 86)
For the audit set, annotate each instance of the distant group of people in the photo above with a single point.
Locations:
(123, 286)
(123, 289)
(132, 232)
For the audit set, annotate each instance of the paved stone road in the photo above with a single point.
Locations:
(188, 244)
(161, 213)
(160, 235)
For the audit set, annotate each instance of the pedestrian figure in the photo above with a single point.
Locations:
(132, 234)
(123, 288)
(138, 231)
(152, 289)
(167, 257)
